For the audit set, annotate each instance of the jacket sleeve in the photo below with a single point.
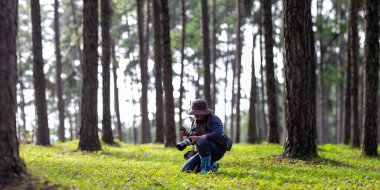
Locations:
(216, 129)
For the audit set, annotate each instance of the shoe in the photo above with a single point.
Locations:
(215, 167)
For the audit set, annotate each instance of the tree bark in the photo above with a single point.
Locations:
(144, 74)
(89, 139)
(115, 65)
(12, 168)
(371, 74)
(39, 77)
(183, 36)
(264, 115)
(160, 129)
(107, 135)
(213, 41)
(273, 136)
(252, 134)
(170, 140)
(206, 51)
(238, 70)
(298, 65)
(354, 45)
(61, 111)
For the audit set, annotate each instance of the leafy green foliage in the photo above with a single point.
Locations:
(245, 167)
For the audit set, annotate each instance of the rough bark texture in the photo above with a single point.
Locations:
(252, 134)
(160, 129)
(354, 45)
(39, 77)
(347, 100)
(61, 111)
(181, 88)
(371, 72)
(12, 168)
(238, 70)
(213, 41)
(206, 51)
(273, 136)
(264, 115)
(107, 135)
(115, 65)
(323, 108)
(298, 63)
(170, 137)
(89, 139)
(144, 74)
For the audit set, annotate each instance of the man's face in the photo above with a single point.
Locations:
(199, 117)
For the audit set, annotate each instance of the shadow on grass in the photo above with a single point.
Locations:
(308, 161)
(34, 182)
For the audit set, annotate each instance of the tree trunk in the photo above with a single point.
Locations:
(160, 129)
(181, 89)
(107, 135)
(78, 100)
(39, 77)
(115, 65)
(252, 134)
(170, 140)
(213, 41)
(61, 126)
(11, 166)
(89, 139)
(238, 70)
(371, 72)
(273, 136)
(206, 51)
(347, 98)
(298, 65)
(324, 125)
(264, 116)
(354, 45)
(144, 74)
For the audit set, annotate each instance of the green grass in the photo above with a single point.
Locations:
(156, 167)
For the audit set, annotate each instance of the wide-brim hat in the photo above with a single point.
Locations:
(199, 107)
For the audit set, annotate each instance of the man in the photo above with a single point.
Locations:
(206, 130)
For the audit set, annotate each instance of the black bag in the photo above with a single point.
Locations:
(225, 142)
(189, 154)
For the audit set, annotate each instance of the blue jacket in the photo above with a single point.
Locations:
(215, 130)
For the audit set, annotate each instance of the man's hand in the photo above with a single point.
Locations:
(194, 139)
(183, 131)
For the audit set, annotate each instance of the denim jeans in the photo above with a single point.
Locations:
(205, 148)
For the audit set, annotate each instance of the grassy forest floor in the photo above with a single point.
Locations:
(155, 167)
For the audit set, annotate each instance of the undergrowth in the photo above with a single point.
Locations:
(152, 166)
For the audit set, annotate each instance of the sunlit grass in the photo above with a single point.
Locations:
(244, 167)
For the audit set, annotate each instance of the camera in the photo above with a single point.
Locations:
(182, 145)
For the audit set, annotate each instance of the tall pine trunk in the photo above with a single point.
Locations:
(354, 45)
(61, 111)
(206, 51)
(298, 82)
(160, 129)
(273, 135)
(107, 135)
(371, 72)
(170, 137)
(144, 74)
(263, 114)
(181, 88)
(89, 139)
(238, 70)
(115, 65)
(252, 134)
(213, 41)
(39, 77)
(11, 166)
